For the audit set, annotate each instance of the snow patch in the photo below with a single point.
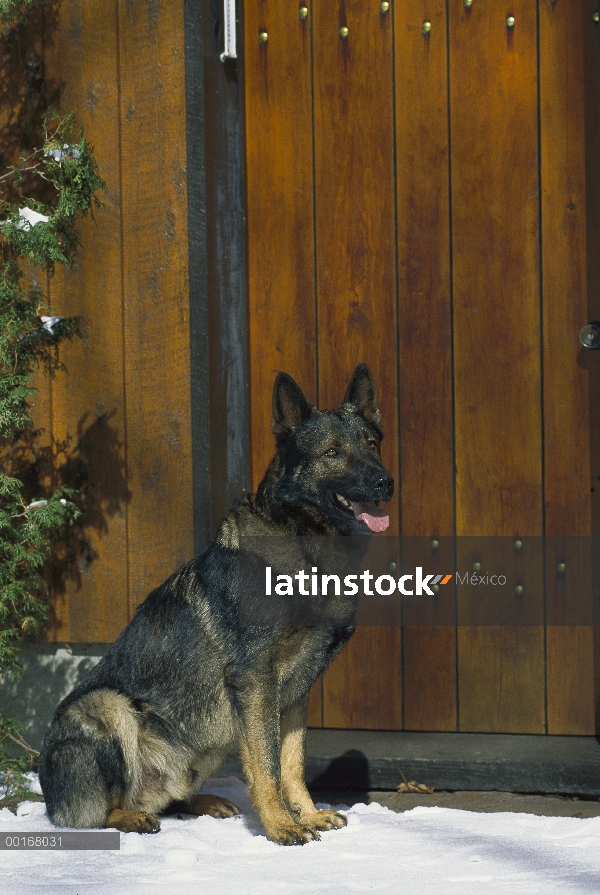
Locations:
(430, 851)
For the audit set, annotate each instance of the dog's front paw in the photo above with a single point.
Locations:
(292, 833)
(133, 821)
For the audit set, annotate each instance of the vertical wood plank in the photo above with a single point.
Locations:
(315, 705)
(88, 402)
(221, 376)
(564, 267)
(280, 224)
(424, 337)
(591, 87)
(563, 74)
(494, 176)
(156, 307)
(356, 291)
(592, 152)
(280, 221)
(570, 672)
(429, 644)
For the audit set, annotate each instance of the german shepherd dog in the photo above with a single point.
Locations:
(186, 683)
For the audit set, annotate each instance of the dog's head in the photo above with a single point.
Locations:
(328, 467)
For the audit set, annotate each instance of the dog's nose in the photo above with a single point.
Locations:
(385, 486)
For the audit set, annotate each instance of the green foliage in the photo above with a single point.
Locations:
(13, 11)
(66, 161)
(13, 782)
(30, 523)
(41, 199)
(26, 537)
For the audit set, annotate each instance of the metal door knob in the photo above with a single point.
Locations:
(590, 336)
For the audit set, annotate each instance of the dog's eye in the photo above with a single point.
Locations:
(332, 452)
(372, 444)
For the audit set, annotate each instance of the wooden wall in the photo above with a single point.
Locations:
(424, 199)
(422, 195)
(119, 422)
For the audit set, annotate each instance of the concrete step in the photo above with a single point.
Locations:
(361, 760)
(480, 802)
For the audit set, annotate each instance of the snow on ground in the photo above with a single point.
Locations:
(429, 851)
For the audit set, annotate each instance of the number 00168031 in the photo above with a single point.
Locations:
(72, 840)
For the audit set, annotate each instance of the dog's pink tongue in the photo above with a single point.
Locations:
(377, 519)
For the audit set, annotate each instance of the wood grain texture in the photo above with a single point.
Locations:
(500, 636)
(356, 287)
(570, 589)
(362, 689)
(495, 270)
(424, 337)
(429, 673)
(591, 88)
(564, 240)
(156, 308)
(501, 679)
(315, 705)
(224, 343)
(494, 174)
(570, 680)
(127, 394)
(429, 639)
(281, 286)
(354, 150)
(564, 267)
(89, 402)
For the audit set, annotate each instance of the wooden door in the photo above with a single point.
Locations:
(422, 194)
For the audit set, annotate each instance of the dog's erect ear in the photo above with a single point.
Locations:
(361, 391)
(290, 407)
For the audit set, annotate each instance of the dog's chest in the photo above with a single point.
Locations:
(299, 659)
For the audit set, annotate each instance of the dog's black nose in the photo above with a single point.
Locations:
(385, 487)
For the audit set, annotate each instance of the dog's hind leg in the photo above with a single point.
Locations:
(208, 803)
(74, 787)
(89, 766)
(78, 793)
(295, 793)
(83, 781)
(132, 821)
(200, 804)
